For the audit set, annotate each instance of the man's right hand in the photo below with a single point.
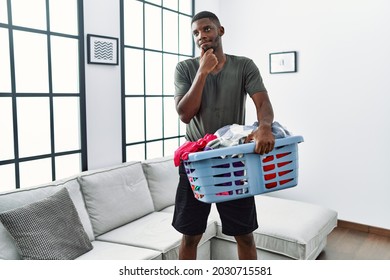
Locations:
(208, 61)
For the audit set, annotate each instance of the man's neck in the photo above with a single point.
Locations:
(221, 62)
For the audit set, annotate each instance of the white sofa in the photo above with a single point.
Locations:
(126, 213)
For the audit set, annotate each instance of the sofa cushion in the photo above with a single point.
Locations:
(21, 197)
(154, 232)
(162, 177)
(291, 228)
(49, 229)
(116, 196)
(115, 251)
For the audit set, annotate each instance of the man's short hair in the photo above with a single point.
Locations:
(206, 14)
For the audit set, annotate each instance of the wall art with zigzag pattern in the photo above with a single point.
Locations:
(102, 49)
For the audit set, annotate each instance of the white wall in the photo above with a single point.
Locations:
(103, 89)
(338, 100)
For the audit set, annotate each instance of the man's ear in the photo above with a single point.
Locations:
(221, 31)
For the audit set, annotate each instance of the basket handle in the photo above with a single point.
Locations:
(241, 149)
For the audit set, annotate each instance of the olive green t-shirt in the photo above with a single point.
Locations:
(224, 94)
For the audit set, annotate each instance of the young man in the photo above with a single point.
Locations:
(210, 93)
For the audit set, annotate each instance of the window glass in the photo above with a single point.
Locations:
(170, 62)
(152, 27)
(3, 11)
(171, 123)
(31, 68)
(6, 128)
(154, 149)
(133, 21)
(171, 4)
(185, 6)
(182, 128)
(153, 118)
(135, 124)
(66, 123)
(7, 175)
(186, 40)
(134, 71)
(135, 152)
(153, 73)
(65, 65)
(67, 165)
(63, 16)
(5, 74)
(35, 172)
(170, 31)
(157, 2)
(31, 13)
(170, 146)
(33, 126)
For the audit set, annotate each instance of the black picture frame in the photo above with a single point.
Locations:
(283, 62)
(102, 50)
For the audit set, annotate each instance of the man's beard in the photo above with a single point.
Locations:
(208, 47)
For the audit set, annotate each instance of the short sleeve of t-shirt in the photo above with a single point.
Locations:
(184, 75)
(253, 82)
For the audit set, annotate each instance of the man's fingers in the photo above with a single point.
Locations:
(263, 148)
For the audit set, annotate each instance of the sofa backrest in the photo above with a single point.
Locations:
(115, 196)
(163, 178)
(18, 198)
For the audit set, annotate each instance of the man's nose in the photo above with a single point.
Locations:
(201, 36)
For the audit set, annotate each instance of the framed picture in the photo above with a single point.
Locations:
(283, 62)
(102, 50)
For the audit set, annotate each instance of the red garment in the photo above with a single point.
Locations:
(191, 147)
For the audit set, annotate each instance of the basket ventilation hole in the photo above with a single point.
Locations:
(268, 158)
(282, 155)
(284, 163)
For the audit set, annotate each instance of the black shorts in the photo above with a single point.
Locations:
(238, 217)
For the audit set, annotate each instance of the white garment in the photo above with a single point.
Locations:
(232, 135)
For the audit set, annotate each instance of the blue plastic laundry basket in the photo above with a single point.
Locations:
(236, 172)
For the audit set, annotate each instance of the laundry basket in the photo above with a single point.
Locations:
(236, 172)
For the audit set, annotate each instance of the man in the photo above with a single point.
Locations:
(210, 93)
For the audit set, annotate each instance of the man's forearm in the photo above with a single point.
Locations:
(188, 106)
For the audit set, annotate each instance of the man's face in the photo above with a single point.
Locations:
(207, 34)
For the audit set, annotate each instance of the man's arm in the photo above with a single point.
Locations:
(263, 136)
(187, 106)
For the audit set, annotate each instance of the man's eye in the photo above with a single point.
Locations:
(207, 29)
(196, 34)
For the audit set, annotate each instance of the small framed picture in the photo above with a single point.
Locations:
(283, 62)
(102, 50)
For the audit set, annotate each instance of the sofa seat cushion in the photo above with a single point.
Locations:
(21, 197)
(116, 196)
(162, 177)
(155, 232)
(49, 229)
(295, 229)
(113, 251)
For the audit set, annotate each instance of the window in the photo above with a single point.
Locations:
(156, 35)
(42, 111)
